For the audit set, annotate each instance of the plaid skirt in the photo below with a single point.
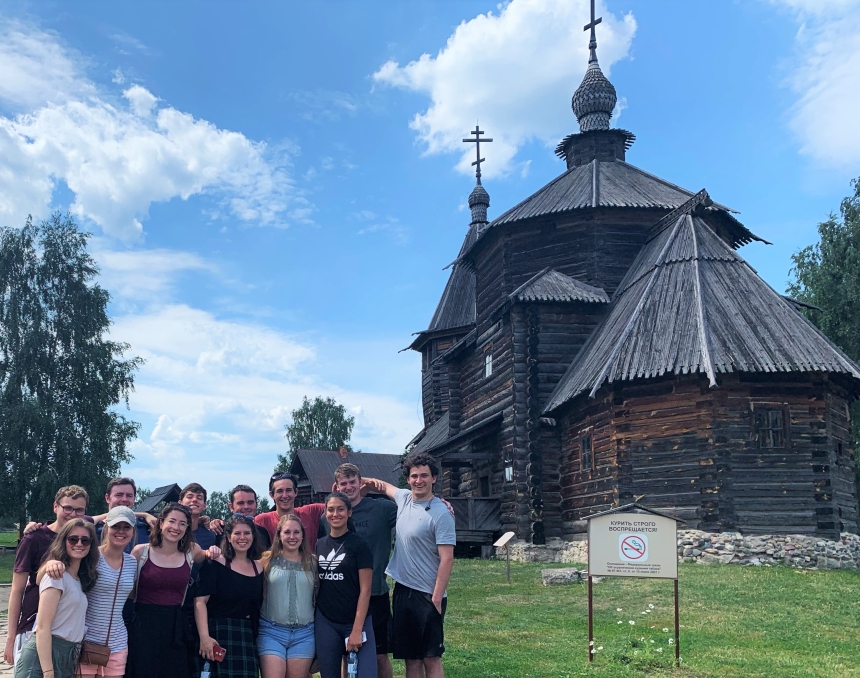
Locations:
(237, 637)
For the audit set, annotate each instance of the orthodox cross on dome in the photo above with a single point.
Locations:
(477, 141)
(592, 44)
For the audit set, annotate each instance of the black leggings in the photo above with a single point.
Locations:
(331, 648)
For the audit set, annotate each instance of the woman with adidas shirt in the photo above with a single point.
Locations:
(345, 571)
(158, 642)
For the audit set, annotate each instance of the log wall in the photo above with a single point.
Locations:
(682, 447)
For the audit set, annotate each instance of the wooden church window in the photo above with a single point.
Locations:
(488, 363)
(770, 427)
(586, 458)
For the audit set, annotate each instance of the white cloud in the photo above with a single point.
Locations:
(118, 159)
(825, 75)
(217, 394)
(141, 99)
(148, 275)
(514, 71)
(36, 68)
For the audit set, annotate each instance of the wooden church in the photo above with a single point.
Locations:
(603, 341)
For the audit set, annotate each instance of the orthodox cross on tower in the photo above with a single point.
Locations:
(592, 44)
(477, 141)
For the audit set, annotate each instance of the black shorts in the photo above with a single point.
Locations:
(380, 609)
(417, 629)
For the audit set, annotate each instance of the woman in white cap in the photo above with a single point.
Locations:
(105, 648)
(116, 570)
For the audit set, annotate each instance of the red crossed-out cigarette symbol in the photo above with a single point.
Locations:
(633, 547)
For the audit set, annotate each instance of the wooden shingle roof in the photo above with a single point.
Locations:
(318, 466)
(436, 434)
(551, 285)
(689, 303)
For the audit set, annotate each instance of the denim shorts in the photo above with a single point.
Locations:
(286, 642)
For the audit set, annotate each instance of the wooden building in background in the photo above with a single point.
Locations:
(603, 340)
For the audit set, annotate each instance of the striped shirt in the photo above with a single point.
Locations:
(99, 612)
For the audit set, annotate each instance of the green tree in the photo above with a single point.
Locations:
(319, 424)
(60, 378)
(216, 505)
(827, 276)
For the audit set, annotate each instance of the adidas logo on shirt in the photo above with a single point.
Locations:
(329, 563)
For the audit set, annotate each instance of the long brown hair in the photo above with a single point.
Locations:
(88, 571)
(308, 561)
(184, 545)
(228, 551)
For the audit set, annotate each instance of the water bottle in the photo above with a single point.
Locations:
(352, 664)
(205, 672)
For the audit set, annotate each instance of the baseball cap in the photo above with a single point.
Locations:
(121, 514)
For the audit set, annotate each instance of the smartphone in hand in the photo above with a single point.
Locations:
(218, 653)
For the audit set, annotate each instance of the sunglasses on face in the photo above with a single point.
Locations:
(73, 539)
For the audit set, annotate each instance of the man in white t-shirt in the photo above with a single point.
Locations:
(421, 567)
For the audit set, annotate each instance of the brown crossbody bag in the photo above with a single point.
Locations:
(95, 653)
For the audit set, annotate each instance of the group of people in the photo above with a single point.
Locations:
(277, 595)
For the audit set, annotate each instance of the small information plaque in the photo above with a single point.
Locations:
(632, 545)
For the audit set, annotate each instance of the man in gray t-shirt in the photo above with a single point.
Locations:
(421, 567)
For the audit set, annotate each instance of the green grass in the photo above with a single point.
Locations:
(8, 538)
(6, 562)
(774, 622)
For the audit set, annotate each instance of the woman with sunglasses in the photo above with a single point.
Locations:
(116, 572)
(227, 604)
(158, 635)
(286, 639)
(52, 651)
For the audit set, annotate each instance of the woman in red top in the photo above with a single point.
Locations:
(158, 638)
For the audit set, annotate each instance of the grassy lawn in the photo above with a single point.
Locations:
(6, 562)
(736, 621)
(774, 622)
(8, 538)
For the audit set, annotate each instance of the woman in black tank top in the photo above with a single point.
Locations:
(227, 609)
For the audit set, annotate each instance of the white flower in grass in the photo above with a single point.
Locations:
(600, 648)
(671, 641)
(618, 609)
(659, 649)
(652, 640)
(632, 623)
(591, 642)
(651, 605)
(665, 630)
(592, 650)
(646, 612)
(620, 621)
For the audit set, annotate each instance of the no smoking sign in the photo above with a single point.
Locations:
(633, 548)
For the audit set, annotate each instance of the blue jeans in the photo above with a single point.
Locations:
(286, 642)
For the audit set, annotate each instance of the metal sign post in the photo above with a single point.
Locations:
(632, 541)
(503, 541)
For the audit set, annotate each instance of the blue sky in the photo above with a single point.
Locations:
(274, 188)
